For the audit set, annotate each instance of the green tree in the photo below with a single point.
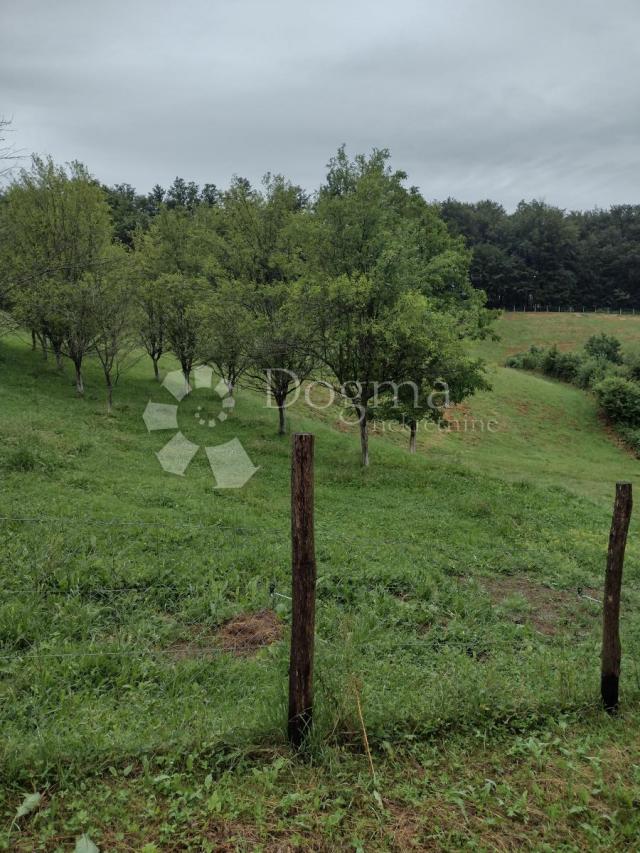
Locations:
(58, 229)
(384, 270)
(149, 317)
(128, 211)
(114, 339)
(180, 246)
(604, 346)
(186, 309)
(261, 258)
(448, 374)
(77, 306)
(229, 329)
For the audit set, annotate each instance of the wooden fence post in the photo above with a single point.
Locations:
(303, 584)
(611, 649)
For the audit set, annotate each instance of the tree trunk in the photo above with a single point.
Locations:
(33, 339)
(412, 437)
(58, 355)
(156, 371)
(109, 396)
(364, 434)
(79, 382)
(43, 344)
(282, 421)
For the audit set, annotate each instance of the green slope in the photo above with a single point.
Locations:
(518, 331)
(529, 427)
(455, 592)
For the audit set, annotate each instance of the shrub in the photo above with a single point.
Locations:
(562, 365)
(631, 436)
(604, 346)
(514, 361)
(529, 360)
(631, 359)
(532, 359)
(567, 365)
(619, 399)
(549, 359)
(591, 371)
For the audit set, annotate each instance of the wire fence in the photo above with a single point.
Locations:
(436, 650)
(541, 308)
(192, 584)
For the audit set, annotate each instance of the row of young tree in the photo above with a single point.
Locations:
(540, 255)
(362, 286)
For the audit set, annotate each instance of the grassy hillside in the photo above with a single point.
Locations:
(530, 427)
(458, 601)
(547, 430)
(569, 331)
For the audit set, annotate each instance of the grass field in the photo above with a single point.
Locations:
(458, 601)
(532, 427)
(518, 331)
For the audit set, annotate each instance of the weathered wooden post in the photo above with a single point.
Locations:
(303, 584)
(611, 649)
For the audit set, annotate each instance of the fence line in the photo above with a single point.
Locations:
(78, 522)
(564, 309)
(435, 643)
(126, 522)
(304, 583)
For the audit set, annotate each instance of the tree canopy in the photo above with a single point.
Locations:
(361, 285)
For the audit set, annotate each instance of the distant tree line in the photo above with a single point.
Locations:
(360, 286)
(537, 256)
(541, 255)
(132, 211)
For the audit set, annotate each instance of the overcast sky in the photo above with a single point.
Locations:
(506, 99)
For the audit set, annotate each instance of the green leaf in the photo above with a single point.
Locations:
(85, 845)
(30, 802)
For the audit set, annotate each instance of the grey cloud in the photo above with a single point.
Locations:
(501, 98)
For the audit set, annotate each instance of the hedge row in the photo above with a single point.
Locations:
(601, 367)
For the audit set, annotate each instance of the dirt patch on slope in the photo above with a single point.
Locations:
(242, 635)
(548, 610)
(247, 633)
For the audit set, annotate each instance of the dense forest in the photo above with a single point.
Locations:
(538, 256)
(542, 256)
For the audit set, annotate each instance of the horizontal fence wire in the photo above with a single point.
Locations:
(127, 522)
(321, 530)
(183, 649)
(324, 535)
(539, 642)
(541, 308)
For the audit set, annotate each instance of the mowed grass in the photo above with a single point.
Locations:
(519, 330)
(458, 599)
(529, 427)
(532, 428)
